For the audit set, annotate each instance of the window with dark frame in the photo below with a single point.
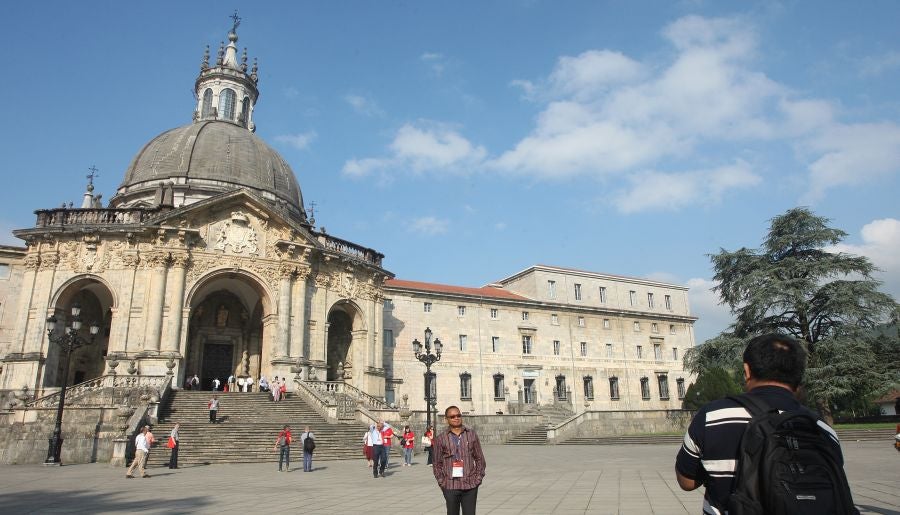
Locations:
(499, 388)
(588, 388)
(614, 388)
(663, 381)
(465, 386)
(645, 388)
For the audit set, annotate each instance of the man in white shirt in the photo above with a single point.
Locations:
(378, 455)
(215, 384)
(141, 447)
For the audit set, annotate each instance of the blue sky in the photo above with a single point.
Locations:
(469, 140)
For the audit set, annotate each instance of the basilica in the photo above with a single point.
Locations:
(205, 262)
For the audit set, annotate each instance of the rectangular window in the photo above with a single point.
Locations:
(674, 353)
(583, 349)
(499, 389)
(461, 311)
(614, 388)
(526, 344)
(495, 343)
(654, 327)
(388, 304)
(524, 315)
(465, 387)
(639, 352)
(495, 313)
(388, 337)
(551, 289)
(556, 347)
(609, 350)
(580, 321)
(668, 300)
(657, 352)
(463, 339)
(577, 291)
(632, 296)
(680, 383)
(671, 328)
(427, 307)
(589, 388)
(650, 300)
(554, 319)
(637, 326)
(645, 388)
(606, 324)
(663, 381)
(561, 391)
(603, 295)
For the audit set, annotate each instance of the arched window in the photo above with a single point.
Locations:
(465, 386)
(226, 104)
(207, 104)
(245, 110)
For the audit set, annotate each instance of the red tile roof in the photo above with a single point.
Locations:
(486, 291)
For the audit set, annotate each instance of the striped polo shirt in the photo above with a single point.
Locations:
(712, 443)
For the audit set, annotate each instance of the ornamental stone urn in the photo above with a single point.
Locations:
(405, 412)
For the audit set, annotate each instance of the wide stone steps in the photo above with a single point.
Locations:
(845, 435)
(248, 426)
(534, 436)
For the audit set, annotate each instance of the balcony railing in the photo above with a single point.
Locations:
(351, 249)
(94, 216)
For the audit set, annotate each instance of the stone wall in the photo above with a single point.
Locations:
(616, 423)
(88, 434)
(491, 429)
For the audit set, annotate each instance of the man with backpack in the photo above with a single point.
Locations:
(308, 442)
(283, 447)
(762, 451)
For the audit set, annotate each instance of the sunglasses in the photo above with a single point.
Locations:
(454, 416)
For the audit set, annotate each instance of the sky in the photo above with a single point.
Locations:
(469, 140)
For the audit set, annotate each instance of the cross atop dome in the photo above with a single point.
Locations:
(226, 91)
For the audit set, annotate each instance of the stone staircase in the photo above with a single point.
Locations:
(248, 426)
(537, 435)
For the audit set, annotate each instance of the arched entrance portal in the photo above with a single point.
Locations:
(225, 330)
(88, 362)
(345, 326)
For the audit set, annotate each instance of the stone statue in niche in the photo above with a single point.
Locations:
(245, 363)
(222, 316)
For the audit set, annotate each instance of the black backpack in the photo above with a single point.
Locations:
(309, 445)
(787, 464)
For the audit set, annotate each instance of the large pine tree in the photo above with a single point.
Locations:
(795, 285)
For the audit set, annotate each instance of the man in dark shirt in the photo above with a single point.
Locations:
(458, 463)
(773, 369)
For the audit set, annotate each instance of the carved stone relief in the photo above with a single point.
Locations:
(236, 234)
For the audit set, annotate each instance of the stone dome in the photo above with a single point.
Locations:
(206, 158)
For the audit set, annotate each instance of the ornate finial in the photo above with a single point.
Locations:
(244, 61)
(90, 176)
(312, 213)
(205, 63)
(237, 21)
(221, 57)
(254, 71)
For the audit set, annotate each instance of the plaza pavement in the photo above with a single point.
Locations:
(630, 479)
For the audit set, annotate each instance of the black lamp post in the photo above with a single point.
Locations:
(68, 341)
(429, 359)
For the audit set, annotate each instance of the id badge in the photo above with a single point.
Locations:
(457, 468)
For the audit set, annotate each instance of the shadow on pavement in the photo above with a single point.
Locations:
(37, 501)
(883, 511)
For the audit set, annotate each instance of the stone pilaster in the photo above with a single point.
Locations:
(298, 336)
(176, 300)
(282, 340)
(158, 262)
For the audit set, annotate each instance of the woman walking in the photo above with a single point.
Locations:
(173, 444)
(426, 443)
(367, 449)
(408, 440)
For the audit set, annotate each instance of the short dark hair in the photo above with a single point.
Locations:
(776, 357)
(446, 411)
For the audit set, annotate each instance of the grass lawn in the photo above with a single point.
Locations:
(871, 425)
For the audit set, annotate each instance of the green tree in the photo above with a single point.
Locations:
(712, 383)
(795, 285)
(724, 351)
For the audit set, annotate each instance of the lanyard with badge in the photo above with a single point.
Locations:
(457, 456)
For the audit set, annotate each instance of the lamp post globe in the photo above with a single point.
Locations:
(428, 358)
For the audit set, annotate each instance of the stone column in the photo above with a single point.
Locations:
(282, 340)
(298, 337)
(158, 262)
(176, 301)
(29, 284)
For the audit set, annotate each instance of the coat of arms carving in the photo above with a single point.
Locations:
(237, 234)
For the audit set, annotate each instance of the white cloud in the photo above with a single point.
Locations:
(429, 225)
(424, 147)
(299, 141)
(881, 244)
(852, 154)
(363, 105)
(879, 64)
(500, 226)
(655, 191)
(713, 317)
(435, 61)
(592, 72)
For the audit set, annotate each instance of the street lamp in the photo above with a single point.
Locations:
(68, 341)
(429, 359)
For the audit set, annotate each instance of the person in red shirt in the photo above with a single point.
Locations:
(388, 435)
(283, 445)
(408, 442)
